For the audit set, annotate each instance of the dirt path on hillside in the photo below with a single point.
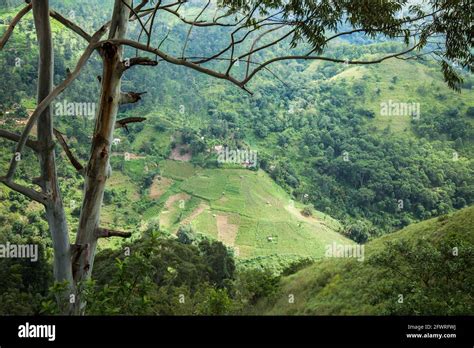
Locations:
(297, 213)
(177, 197)
(309, 219)
(226, 232)
(198, 211)
(159, 186)
(165, 214)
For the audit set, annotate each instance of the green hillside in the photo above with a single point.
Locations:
(431, 264)
(244, 209)
(406, 82)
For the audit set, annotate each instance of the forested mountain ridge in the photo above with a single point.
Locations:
(318, 130)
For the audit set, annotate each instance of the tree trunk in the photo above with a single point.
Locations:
(48, 181)
(98, 168)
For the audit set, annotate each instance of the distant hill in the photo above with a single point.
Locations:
(429, 266)
(402, 81)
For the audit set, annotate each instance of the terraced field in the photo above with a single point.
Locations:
(244, 209)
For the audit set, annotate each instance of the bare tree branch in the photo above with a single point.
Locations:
(69, 24)
(137, 9)
(328, 59)
(173, 60)
(32, 144)
(253, 46)
(198, 23)
(28, 192)
(106, 233)
(76, 164)
(242, 83)
(124, 121)
(130, 97)
(12, 25)
(258, 25)
(134, 13)
(157, 6)
(128, 63)
(56, 91)
(192, 25)
(252, 51)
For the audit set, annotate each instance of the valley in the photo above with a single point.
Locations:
(233, 196)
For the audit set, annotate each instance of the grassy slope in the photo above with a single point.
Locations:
(254, 206)
(415, 83)
(349, 287)
(240, 207)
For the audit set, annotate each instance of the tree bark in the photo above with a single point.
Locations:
(98, 168)
(48, 181)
